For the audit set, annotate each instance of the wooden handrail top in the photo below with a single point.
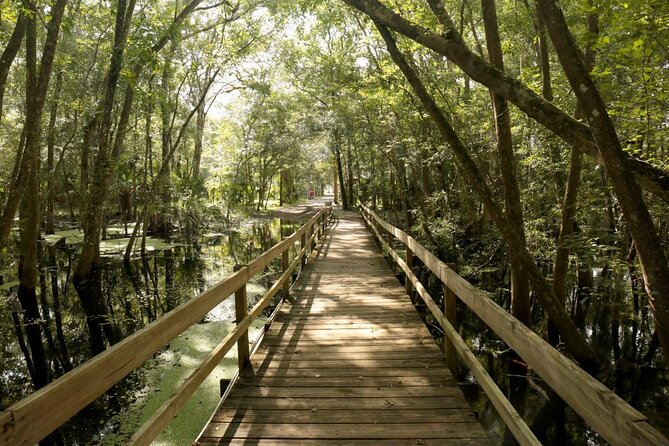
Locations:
(34, 417)
(615, 420)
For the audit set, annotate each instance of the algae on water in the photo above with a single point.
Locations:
(169, 369)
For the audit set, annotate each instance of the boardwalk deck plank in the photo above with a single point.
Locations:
(346, 362)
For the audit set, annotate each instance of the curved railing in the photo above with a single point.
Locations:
(33, 418)
(615, 420)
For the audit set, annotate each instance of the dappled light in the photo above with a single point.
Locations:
(340, 222)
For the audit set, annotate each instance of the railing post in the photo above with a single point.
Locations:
(284, 266)
(450, 311)
(313, 230)
(303, 242)
(321, 224)
(407, 283)
(241, 311)
(389, 239)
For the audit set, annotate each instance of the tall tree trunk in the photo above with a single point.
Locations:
(199, 131)
(335, 180)
(653, 261)
(520, 290)
(340, 171)
(569, 205)
(166, 107)
(199, 134)
(50, 165)
(520, 295)
(37, 84)
(574, 341)
(87, 275)
(349, 169)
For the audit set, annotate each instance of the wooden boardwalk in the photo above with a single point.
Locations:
(347, 362)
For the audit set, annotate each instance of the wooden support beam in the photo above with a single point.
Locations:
(241, 311)
(284, 267)
(303, 244)
(450, 312)
(407, 283)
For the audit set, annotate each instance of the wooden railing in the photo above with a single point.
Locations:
(35, 417)
(615, 420)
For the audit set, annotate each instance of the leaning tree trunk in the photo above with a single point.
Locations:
(520, 291)
(653, 261)
(569, 205)
(15, 185)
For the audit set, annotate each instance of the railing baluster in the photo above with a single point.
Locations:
(284, 267)
(303, 242)
(407, 283)
(241, 310)
(451, 314)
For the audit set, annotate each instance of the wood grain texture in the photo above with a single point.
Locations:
(347, 361)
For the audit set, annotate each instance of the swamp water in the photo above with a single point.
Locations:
(135, 295)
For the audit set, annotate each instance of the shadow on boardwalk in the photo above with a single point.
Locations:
(347, 361)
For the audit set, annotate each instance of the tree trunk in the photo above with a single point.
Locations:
(15, 186)
(29, 214)
(349, 169)
(51, 143)
(335, 181)
(340, 171)
(199, 135)
(569, 206)
(520, 291)
(653, 261)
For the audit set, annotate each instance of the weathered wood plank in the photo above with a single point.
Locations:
(352, 372)
(351, 364)
(449, 402)
(387, 416)
(347, 359)
(348, 431)
(343, 442)
(357, 381)
(375, 352)
(349, 392)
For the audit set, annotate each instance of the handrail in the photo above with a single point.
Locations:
(36, 416)
(615, 420)
(520, 430)
(159, 420)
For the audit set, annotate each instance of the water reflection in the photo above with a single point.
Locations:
(133, 294)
